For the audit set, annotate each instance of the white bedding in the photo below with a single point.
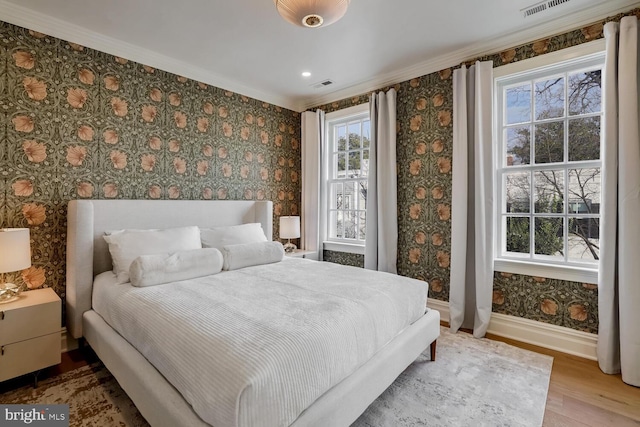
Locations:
(256, 346)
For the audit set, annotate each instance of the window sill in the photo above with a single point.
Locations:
(343, 247)
(561, 272)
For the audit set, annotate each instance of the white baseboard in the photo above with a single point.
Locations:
(68, 342)
(545, 335)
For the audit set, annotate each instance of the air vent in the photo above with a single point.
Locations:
(541, 7)
(322, 84)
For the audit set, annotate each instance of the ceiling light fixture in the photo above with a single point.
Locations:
(306, 74)
(312, 13)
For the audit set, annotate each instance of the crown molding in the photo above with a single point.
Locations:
(496, 44)
(28, 18)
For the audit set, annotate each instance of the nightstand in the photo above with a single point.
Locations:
(301, 253)
(30, 333)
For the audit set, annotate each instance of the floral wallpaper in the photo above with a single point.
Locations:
(344, 258)
(78, 123)
(424, 144)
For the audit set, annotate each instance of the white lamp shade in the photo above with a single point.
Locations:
(312, 13)
(289, 227)
(15, 249)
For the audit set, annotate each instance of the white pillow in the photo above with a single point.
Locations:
(219, 237)
(248, 254)
(150, 270)
(127, 245)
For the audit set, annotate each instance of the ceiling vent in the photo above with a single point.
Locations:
(541, 7)
(322, 84)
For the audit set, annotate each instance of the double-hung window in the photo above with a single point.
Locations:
(347, 158)
(548, 174)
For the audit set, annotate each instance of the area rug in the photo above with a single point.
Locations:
(472, 383)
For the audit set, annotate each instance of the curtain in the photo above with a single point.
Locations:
(312, 217)
(619, 276)
(472, 206)
(381, 245)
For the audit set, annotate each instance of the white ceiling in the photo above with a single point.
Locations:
(246, 47)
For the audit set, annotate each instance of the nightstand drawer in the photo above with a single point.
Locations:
(29, 356)
(22, 323)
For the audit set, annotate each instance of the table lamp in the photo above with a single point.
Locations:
(289, 229)
(15, 255)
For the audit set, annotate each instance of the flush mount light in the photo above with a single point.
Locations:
(312, 13)
(306, 74)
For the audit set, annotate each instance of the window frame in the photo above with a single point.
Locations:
(336, 118)
(587, 56)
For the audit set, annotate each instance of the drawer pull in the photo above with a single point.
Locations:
(2, 351)
(1, 315)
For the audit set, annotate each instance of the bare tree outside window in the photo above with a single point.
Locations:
(552, 173)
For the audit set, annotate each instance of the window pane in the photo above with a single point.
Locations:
(362, 195)
(549, 195)
(549, 98)
(585, 92)
(366, 133)
(333, 224)
(584, 239)
(365, 163)
(362, 225)
(354, 136)
(518, 192)
(336, 196)
(341, 165)
(354, 164)
(517, 234)
(549, 142)
(518, 104)
(549, 238)
(349, 199)
(338, 221)
(341, 137)
(584, 139)
(350, 225)
(518, 146)
(584, 190)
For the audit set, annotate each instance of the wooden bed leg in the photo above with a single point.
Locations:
(432, 348)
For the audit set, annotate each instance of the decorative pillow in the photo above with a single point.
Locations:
(248, 254)
(219, 237)
(150, 270)
(127, 245)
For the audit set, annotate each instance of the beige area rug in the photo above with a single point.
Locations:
(472, 383)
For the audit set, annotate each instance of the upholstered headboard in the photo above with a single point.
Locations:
(87, 220)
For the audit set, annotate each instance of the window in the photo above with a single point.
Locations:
(548, 126)
(348, 133)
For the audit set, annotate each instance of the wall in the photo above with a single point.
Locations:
(424, 144)
(78, 123)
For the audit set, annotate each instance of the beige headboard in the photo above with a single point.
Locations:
(87, 220)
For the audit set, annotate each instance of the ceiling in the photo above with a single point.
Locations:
(246, 47)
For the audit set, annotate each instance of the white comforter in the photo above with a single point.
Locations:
(256, 346)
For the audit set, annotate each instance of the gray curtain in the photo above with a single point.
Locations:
(472, 207)
(619, 275)
(381, 247)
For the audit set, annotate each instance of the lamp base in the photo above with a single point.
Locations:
(8, 292)
(289, 247)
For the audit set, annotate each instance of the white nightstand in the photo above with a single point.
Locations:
(30, 333)
(301, 253)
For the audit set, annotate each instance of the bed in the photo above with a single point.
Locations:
(157, 399)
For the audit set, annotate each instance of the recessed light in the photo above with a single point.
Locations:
(306, 74)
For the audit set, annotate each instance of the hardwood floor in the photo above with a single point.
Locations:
(579, 393)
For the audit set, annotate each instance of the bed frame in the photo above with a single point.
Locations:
(156, 399)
